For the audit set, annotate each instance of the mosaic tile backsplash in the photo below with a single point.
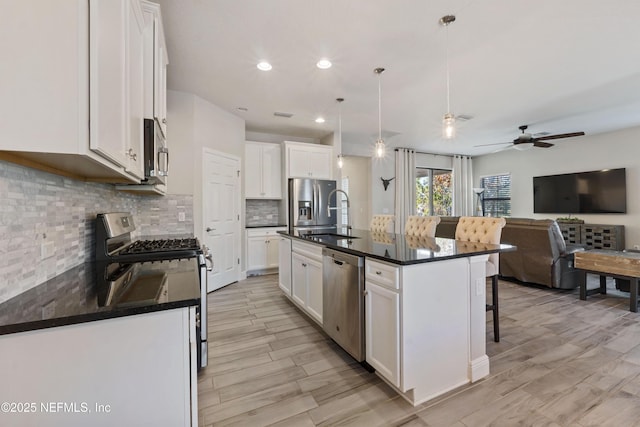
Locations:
(263, 212)
(37, 208)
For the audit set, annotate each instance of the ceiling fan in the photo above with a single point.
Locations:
(526, 140)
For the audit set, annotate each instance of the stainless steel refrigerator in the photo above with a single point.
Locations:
(309, 200)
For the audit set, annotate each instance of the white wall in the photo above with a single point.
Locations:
(196, 124)
(358, 170)
(619, 149)
(381, 201)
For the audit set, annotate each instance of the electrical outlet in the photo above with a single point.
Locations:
(181, 217)
(47, 250)
(480, 285)
(636, 247)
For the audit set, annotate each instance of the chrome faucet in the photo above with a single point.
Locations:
(329, 208)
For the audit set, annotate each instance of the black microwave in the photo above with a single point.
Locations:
(156, 154)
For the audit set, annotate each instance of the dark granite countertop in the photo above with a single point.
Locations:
(82, 294)
(395, 248)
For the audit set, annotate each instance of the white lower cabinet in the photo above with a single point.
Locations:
(284, 266)
(113, 368)
(262, 249)
(382, 325)
(306, 278)
(417, 325)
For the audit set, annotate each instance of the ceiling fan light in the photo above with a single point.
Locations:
(523, 146)
(380, 148)
(449, 126)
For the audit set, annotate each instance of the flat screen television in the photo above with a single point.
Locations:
(598, 192)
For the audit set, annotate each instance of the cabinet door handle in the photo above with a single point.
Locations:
(365, 293)
(378, 273)
(164, 121)
(210, 229)
(304, 265)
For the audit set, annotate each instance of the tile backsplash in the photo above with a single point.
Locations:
(37, 208)
(263, 212)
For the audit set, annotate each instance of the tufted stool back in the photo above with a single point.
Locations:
(384, 223)
(484, 230)
(480, 229)
(421, 226)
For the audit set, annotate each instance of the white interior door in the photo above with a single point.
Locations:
(221, 216)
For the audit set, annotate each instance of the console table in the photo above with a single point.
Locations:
(616, 264)
(594, 236)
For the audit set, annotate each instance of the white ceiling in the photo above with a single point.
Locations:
(558, 66)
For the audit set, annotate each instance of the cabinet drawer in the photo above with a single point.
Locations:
(260, 232)
(382, 274)
(307, 249)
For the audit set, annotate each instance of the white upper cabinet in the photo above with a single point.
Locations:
(156, 61)
(263, 171)
(308, 160)
(73, 99)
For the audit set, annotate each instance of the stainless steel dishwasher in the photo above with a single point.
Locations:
(343, 301)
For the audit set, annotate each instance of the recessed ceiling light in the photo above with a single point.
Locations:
(320, 120)
(264, 66)
(323, 64)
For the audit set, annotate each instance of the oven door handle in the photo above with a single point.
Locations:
(208, 257)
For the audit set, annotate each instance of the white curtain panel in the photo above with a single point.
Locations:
(405, 204)
(462, 186)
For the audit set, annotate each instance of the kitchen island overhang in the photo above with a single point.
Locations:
(426, 327)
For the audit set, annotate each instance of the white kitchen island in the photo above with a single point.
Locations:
(425, 305)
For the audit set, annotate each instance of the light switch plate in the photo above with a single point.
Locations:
(47, 250)
(181, 217)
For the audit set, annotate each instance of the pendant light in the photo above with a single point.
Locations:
(380, 146)
(449, 119)
(340, 157)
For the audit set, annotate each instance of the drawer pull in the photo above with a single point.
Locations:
(304, 265)
(378, 273)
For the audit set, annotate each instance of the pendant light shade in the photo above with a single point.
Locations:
(449, 119)
(380, 148)
(449, 126)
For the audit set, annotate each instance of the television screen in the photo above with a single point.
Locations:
(602, 191)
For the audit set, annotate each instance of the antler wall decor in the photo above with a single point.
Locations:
(385, 182)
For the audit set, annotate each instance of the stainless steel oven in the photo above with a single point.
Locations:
(116, 249)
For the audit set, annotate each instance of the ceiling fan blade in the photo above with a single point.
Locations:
(542, 144)
(495, 143)
(559, 136)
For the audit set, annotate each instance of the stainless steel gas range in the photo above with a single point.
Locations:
(148, 264)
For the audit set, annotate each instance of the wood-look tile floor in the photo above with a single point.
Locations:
(560, 362)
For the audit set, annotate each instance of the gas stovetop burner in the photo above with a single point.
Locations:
(145, 246)
(114, 244)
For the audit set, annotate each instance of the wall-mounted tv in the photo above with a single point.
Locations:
(596, 192)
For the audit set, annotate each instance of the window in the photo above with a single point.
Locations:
(496, 198)
(433, 192)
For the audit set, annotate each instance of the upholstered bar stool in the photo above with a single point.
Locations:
(485, 230)
(384, 223)
(421, 226)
